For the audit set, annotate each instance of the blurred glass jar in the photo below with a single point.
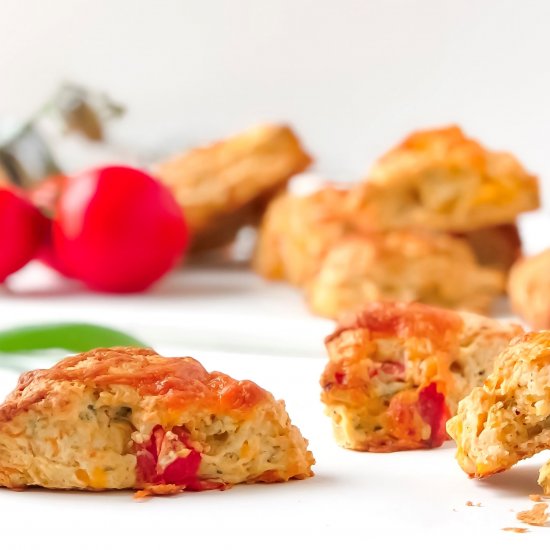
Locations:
(68, 131)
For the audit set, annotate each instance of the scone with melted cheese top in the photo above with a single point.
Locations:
(441, 179)
(123, 418)
(508, 418)
(226, 185)
(529, 289)
(402, 265)
(396, 372)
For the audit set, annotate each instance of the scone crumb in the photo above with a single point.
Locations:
(515, 529)
(535, 498)
(536, 516)
(470, 503)
(142, 495)
(158, 490)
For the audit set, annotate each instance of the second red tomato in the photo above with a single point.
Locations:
(117, 229)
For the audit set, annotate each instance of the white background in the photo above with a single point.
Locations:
(353, 77)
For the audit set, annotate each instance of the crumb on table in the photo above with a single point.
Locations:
(536, 516)
(515, 529)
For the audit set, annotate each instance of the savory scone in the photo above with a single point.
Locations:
(441, 179)
(498, 246)
(224, 186)
(508, 418)
(402, 265)
(297, 231)
(120, 418)
(529, 289)
(396, 372)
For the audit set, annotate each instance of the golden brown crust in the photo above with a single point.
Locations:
(401, 320)
(226, 185)
(402, 265)
(297, 232)
(397, 370)
(529, 289)
(506, 419)
(441, 179)
(181, 380)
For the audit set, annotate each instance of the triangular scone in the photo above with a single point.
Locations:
(441, 179)
(396, 372)
(508, 418)
(120, 418)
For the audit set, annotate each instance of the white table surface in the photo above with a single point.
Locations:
(233, 321)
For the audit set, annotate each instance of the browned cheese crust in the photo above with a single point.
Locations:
(441, 179)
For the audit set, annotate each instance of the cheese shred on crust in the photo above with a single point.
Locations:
(122, 418)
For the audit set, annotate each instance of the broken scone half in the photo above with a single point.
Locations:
(128, 418)
(396, 372)
(508, 418)
(442, 179)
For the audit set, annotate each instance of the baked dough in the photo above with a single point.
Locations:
(529, 289)
(396, 372)
(402, 265)
(508, 418)
(226, 185)
(296, 233)
(498, 246)
(441, 179)
(121, 418)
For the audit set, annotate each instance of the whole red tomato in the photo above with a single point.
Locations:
(22, 229)
(117, 229)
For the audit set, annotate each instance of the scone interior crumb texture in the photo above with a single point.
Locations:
(128, 418)
(508, 418)
(396, 372)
